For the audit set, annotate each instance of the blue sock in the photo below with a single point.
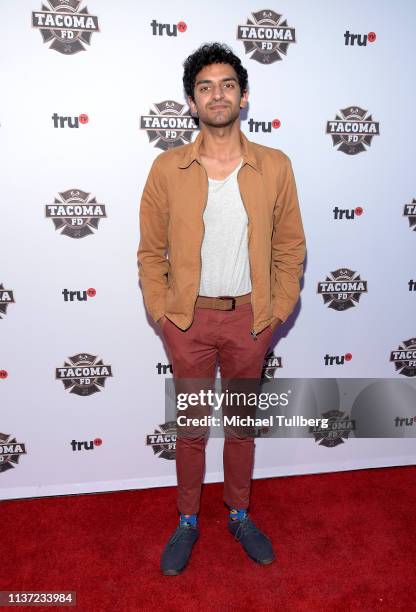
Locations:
(238, 514)
(188, 520)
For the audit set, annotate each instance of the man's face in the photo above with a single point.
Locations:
(217, 96)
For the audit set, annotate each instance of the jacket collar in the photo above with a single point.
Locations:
(191, 153)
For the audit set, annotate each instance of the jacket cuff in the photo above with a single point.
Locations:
(156, 310)
(281, 314)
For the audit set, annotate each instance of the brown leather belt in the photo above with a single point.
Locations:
(223, 302)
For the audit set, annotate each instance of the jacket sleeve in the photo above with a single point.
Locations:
(152, 252)
(288, 245)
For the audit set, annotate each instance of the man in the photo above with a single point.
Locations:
(220, 259)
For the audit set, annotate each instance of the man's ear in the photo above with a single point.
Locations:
(192, 106)
(244, 99)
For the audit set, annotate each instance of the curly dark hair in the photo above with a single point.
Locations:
(211, 53)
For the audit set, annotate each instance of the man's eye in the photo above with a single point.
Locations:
(229, 85)
(204, 88)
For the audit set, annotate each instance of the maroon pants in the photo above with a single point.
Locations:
(222, 335)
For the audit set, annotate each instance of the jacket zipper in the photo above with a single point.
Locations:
(253, 332)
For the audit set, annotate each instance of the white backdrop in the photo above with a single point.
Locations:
(118, 75)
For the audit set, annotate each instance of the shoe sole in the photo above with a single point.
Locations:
(259, 561)
(172, 572)
(262, 561)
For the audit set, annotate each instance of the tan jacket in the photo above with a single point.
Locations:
(171, 223)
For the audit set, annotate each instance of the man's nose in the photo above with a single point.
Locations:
(217, 91)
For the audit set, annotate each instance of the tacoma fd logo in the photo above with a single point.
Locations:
(75, 213)
(352, 130)
(342, 289)
(168, 126)
(404, 358)
(163, 441)
(63, 23)
(267, 36)
(83, 374)
(10, 452)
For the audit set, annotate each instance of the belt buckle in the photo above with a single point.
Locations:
(227, 297)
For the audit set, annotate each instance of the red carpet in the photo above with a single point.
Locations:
(344, 541)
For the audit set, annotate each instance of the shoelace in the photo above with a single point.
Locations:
(245, 526)
(181, 533)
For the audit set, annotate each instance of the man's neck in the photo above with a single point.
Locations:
(221, 143)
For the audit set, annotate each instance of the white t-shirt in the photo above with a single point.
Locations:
(224, 252)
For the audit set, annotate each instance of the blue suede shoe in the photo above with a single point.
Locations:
(178, 550)
(256, 544)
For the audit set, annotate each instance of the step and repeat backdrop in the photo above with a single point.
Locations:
(91, 93)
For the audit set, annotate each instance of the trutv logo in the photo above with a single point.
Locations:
(164, 368)
(263, 126)
(405, 421)
(85, 444)
(347, 213)
(330, 360)
(170, 29)
(80, 296)
(360, 39)
(61, 121)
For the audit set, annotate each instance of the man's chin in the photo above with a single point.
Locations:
(219, 122)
